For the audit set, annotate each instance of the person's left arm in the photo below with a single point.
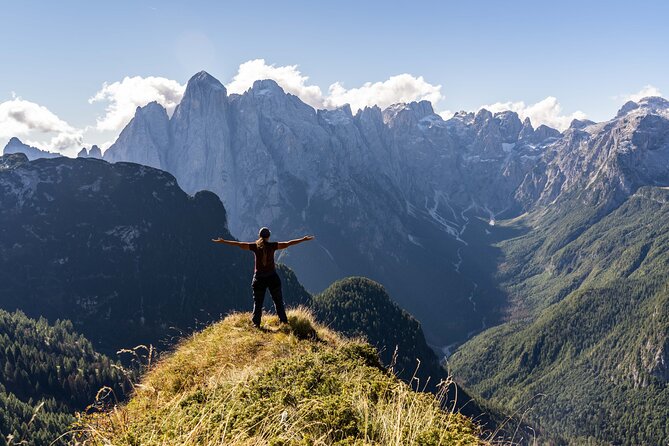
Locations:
(283, 245)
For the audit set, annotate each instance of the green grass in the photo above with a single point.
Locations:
(299, 384)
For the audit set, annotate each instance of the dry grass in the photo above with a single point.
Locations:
(300, 384)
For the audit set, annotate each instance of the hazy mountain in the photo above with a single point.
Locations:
(16, 146)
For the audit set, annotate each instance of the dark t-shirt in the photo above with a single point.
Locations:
(264, 257)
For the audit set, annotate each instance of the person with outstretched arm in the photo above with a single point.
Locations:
(264, 275)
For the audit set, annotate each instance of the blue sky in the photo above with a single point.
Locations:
(587, 55)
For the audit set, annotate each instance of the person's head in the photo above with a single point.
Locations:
(263, 236)
(264, 233)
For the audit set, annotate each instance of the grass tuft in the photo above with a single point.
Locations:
(301, 324)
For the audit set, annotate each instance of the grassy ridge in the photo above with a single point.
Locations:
(299, 384)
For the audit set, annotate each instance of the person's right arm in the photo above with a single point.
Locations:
(242, 245)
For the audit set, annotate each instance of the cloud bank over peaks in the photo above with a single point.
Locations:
(647, 90)
(22, 118)
(288, 77)
(547, 111)
(125, 96)
(400, 88)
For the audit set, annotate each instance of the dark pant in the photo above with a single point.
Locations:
(260, 284)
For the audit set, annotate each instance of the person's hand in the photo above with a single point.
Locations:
(308, 237)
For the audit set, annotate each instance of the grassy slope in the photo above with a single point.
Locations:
(296, 385)
(598, 301)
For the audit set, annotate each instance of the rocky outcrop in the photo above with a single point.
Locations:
(93, 152)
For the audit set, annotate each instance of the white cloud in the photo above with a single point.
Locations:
(22, 118)
(648, 90)
(125, 96)
(400, 88)
(547, 112)
(446, 114)
(288, 77)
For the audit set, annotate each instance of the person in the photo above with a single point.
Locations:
(264, 275)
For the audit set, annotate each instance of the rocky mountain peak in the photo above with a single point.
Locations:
(482, 116)
(266, 86)
(655, 102)
(509, 125)
(95, 152)
(151, 108)
(204, 80)
(543, 132)
(201, 88)
(580, 123)
(464, 117)
(650, 104)
(407, 113)
(338, 116)
(626, 108)
(368, 112)
(527, 131)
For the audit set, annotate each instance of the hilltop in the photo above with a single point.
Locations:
(282, 385)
